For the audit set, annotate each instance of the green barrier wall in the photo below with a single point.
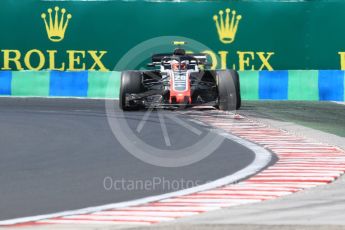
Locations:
(71, 48)
(273, 85)
(264, 35)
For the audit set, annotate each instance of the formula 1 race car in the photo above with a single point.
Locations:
(179, 80)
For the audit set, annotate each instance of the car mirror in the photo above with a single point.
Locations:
(150, 65)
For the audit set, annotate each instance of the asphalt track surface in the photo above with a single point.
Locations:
(56, 153)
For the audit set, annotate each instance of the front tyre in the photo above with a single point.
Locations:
(131, 83)
(228, 84)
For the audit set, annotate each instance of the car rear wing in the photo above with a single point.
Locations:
(157, 58)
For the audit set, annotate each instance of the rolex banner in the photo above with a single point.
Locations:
(244, 35)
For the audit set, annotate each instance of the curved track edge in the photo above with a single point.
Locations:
(262, 159)
(302, 164)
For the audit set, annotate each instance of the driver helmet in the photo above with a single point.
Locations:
(176, 65)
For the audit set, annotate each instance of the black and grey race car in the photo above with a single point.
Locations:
(179, 80)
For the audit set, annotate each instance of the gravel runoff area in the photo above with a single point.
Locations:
(320, 208)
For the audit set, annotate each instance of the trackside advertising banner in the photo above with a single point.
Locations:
(244, 35)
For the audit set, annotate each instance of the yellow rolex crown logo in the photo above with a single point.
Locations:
(227, 27)
(56, 27)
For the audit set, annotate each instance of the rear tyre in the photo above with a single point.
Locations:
(229, 97)
(238, 89)
(130, 84)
